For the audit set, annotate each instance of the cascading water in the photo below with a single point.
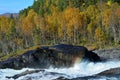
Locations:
(78, 70)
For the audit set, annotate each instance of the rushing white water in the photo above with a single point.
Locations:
(78, 70)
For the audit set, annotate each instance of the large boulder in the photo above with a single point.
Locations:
(61, 55)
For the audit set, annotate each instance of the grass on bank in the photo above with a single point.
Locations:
(17, 53)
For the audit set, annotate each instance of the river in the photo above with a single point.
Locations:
(78, 72)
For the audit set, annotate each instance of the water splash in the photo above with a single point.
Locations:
(85, 69)
(11, 72)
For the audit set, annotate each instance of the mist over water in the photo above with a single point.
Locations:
(78, 70)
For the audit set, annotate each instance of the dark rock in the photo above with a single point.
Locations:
(110, 72)
(91, 56)
(61, 55)
(61, 78)
(24, 73)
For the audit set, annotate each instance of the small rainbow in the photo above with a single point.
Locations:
(77, 60)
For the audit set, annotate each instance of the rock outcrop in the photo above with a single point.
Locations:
(61, 55)
(113, 71)
(109, 54)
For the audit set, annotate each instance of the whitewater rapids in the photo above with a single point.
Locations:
(78, 70)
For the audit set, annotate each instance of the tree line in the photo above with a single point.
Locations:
(47, 22)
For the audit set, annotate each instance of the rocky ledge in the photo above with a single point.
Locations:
(109, 54)
(62, 55)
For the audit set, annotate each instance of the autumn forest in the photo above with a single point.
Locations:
(48, 22)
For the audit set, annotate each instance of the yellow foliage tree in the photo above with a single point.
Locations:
(5, 24)
(100, 36)
(72, 19)
(29, 22)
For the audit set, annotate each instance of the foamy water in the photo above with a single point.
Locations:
(78, 70)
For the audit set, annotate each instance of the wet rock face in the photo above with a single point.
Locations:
(61, 55)
(91, 56)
